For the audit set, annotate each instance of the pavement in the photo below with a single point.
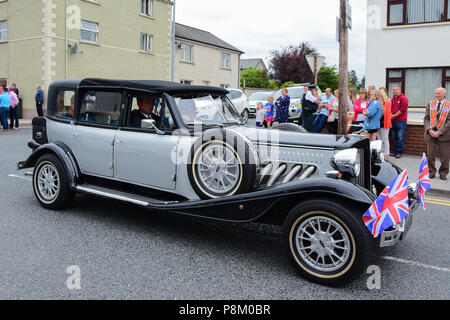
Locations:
(412, 164)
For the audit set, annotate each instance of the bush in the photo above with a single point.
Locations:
(274, 85)
(254, 78)
(287, 84)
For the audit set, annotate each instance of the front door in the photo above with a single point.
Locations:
(94, 133)
(142, 156)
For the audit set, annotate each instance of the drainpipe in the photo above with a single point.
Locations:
(65, 44)
(172, 72)
(239, 73)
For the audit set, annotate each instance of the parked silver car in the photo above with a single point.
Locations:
(240, 101)
(296, 94)
(256, 97)
(184, 149)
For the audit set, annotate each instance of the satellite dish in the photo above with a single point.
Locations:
(74, 48)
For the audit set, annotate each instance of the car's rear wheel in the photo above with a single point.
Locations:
(222, 164)
(326, 243)
(50, 183)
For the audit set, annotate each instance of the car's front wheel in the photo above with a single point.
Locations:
(245, 115)
(326, 242)
(50, 183)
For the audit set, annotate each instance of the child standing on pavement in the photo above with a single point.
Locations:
(260, 114)
(269, 111)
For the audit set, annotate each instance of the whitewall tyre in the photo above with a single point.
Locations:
(50, 183)
(326, 242)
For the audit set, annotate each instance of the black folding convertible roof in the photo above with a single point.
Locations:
(154, 86)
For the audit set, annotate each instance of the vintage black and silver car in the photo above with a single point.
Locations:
(184, 149)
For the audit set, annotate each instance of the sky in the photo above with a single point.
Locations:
(260, 26)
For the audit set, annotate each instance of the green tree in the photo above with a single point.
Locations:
(328, 78)
(254, 78)
(287, 84)
(362, 84)
(274, 85)
(353, 81)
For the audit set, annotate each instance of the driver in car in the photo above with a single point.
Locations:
(146, 106)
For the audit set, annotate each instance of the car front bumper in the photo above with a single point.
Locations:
(398, 232)
(294, 113)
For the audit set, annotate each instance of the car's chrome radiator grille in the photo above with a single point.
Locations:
(361, 178)
(364, 176)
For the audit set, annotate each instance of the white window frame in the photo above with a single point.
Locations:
(4, 30)
(183, 57)
(147, 7)
(225, 60)
(147, 45)
(89, 30)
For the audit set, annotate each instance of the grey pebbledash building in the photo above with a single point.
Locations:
(202, 58)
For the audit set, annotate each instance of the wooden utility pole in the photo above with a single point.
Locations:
(343, 68)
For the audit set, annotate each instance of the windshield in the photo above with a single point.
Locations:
(207, 110)
(259, 96)
(293, 93)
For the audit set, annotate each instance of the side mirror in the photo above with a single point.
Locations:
(151, 124)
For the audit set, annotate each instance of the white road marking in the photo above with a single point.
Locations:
(20, 177)
(417, 264)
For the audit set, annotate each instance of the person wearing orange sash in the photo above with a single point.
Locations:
(437, 133)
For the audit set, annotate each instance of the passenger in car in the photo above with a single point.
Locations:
(70, 111)
(145, 111)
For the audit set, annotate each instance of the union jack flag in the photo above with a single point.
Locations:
(424, 181)
(391, 206)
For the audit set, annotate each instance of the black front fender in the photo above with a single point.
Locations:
(58, 149)
(383, 173)
(278, 201)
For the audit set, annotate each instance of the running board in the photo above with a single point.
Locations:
(121, 196)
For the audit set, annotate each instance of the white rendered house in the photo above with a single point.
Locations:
(408, 44)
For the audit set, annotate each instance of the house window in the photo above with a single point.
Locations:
(186, 52)
(417, 11)
(186, 82)
(146, 42)
(225, 86)
(225, 60)
(146, 7)
(3, 30)
(418, 84)
(89, 31)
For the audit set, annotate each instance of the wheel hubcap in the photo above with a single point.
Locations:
(218, 169)
(322, 244)
(48, 182)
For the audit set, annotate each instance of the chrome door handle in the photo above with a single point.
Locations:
(75, 134)
(119, 140)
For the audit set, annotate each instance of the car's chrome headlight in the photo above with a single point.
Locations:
(348, 162)
(376, 148)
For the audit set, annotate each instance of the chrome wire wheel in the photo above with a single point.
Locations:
(323, 244)
(48, 182)
(219, 169)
